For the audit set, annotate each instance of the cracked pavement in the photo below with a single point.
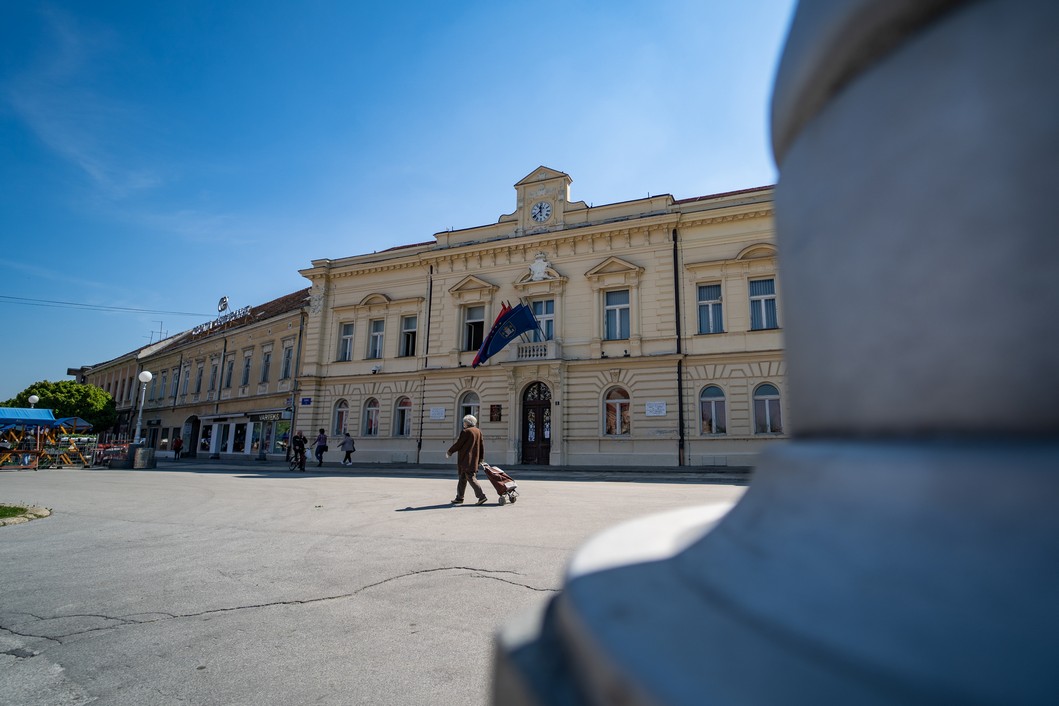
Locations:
(214, 586)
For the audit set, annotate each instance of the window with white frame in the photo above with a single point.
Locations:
(616, 411)
(616, 315)
(473, 327)
(544, 312)
(710, 317)
(229, 372)
(176, 383)
(161, 386)
(402, 422)
(214, 371)
(408, 336)
(198, 377)
(345, 342)
(245, 379)
(266, 365)
(469, 404)
(377, 327)
(185, 380)
(371, 417)
(340, 418)
(767, 410)
(711, 410)
(287, 363)
(763, 304)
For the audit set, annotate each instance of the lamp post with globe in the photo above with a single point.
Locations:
(33, 400)
(144, 377)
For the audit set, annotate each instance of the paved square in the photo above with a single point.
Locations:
(253, 586)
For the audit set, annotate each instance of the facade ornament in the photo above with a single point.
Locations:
(539, 268)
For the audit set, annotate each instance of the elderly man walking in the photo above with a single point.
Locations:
(470, 451)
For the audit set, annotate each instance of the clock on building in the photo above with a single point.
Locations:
(541, 211)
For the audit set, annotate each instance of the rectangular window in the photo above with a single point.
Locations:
(473, 327)
(266, 364)
(229, 372)
(378, 327)
(213, 376)
(287, 364)
(544, 311)
(153, 382)
(710, 320)
(345, 342)
(161, 387)
(245, 380)
(763, 304)
(616, 315)
(408, 335)
(176, 382)
(198, 378)
(185, 380)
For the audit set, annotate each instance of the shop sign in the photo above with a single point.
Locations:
(306, 401)
(221, 320)
(267, 417)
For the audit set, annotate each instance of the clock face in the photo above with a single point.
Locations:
(541, 211)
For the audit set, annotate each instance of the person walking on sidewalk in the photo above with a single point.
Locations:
(349, 446)
(178, 444)
(321, 446)
(470, 451)
(298, 442)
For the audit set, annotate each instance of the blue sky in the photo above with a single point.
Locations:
(156, 156)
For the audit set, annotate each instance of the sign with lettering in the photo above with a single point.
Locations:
(307, 401)
(221, 321)
(656, 409)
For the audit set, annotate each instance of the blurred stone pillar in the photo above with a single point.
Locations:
(904, 546)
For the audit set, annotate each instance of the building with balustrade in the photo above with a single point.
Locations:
(659, 343)
(660, 339)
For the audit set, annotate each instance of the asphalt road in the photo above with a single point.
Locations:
(253, 586)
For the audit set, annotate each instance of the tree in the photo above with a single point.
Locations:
(68, 398)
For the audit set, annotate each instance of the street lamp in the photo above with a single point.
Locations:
(33, 400)
(145, 377)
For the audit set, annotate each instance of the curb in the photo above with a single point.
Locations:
(32, 513)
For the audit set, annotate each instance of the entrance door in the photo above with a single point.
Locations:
(536, 424)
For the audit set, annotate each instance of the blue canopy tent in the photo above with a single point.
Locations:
(19, 416)
(14, 422)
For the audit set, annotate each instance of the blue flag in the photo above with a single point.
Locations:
(509, 324)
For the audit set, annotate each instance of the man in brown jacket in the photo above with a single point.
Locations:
(470, 451)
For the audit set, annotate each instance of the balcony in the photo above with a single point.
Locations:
(538, 350)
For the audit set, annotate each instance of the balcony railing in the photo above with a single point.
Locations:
(537, 350)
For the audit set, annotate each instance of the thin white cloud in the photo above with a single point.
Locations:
(56, 101)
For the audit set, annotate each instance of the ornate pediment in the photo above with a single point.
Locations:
(374, 299)
(613, 265)
(757, 251)
(540, 174)
(473, 289)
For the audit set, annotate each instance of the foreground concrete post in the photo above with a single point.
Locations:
(904, 546)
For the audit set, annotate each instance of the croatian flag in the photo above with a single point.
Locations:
(510, 322)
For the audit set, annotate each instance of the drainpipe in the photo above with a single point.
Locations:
(295, 387)
(426, 357)
(680, 350)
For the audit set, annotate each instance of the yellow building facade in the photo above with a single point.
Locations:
(660, 340)
(224, 387)
(660, 344)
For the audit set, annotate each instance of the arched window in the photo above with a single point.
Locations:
(767, 410)
(340, 418)
(402, 418)
(371, 417)
(711, 410)
(616, 412)
(469, 404)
